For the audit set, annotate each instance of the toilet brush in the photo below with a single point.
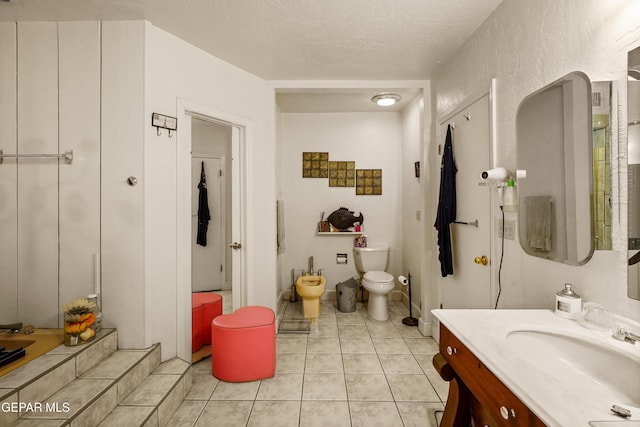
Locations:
(409, 321)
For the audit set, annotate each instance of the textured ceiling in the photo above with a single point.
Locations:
(296, 39)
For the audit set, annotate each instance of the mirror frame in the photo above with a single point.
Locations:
(633, 119)
(545, 132)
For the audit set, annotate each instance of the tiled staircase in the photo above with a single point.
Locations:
(94, 385)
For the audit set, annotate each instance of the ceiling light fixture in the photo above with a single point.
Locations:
(386, 99)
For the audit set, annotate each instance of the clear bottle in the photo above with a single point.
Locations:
(510, 197)
(97, 325)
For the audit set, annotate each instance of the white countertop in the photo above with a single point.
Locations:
(554, 401)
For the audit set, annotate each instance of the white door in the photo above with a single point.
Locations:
(470, 284)
(208, 262)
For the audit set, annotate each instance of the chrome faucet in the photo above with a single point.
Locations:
(310, 271)
(622, 333)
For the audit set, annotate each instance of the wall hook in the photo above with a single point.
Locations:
(467, 116)
(165, 122)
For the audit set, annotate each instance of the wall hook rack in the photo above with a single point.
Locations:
(160, 121)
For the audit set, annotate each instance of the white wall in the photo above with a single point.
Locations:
(373, 141)
(176, 70)
(525, 46)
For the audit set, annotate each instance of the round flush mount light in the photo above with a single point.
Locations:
(386, 99)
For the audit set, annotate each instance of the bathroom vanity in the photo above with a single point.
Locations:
(532, 368)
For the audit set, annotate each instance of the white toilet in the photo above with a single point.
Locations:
(372, 262)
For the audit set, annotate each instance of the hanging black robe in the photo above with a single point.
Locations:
(446, 206)
(203, 210)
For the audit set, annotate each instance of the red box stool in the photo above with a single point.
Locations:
(243, 345)
(205, 306)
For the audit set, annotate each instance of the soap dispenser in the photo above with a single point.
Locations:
(568, 303)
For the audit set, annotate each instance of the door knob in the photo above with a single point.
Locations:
(481, 260)
(235, 245)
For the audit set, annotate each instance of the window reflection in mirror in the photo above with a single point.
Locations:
(601, 104)
(554, 145)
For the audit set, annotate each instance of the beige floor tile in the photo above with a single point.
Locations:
(362, 364)
(290, 363)
(323, 363)
(202, 386)
(371, 387)
(390, 346)
(440, 385)
(274, 414)
(426, 363)
(383, 331)
(399, 364)
(353, 331)
(202, 366)
(234, 414)
(291, 344)
(324, 414)
(354, 318)
(420, 414)
(328, 329)
(187, 413)
(323, 345)
(422, 345)
(357, 345)
(414, 388)
(324, 387)
(281, 387)
(370, 414)
(408, 331)
(235, 391)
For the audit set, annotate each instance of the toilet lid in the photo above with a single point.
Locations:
(378, 277)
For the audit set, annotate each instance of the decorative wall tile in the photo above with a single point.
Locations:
(342, 174)
(315, 165)
(368, 182)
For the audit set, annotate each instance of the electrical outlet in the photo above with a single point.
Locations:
(509, 229)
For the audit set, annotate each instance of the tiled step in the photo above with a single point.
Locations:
(92, 396)
(36, 381)
(154, 401)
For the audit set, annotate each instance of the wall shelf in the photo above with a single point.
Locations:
(339, 233)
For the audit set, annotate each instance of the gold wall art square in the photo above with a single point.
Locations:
(342, 174)
(315, 165)
(368, 182)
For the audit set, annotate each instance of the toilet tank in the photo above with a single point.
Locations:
(371, 259)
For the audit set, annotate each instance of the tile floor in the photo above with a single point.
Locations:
(349, 371)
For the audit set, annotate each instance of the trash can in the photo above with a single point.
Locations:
(346, 295)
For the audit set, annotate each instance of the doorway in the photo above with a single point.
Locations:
(191, 151)
(210, 160)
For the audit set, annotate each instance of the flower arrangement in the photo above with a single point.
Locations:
(78, 317)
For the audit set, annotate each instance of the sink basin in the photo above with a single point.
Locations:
(585, 363)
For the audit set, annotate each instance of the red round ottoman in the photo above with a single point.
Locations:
(210, 306)
(243, 345)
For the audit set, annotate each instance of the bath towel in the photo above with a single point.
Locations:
(539, 217)
(204, 215)
(446, 206)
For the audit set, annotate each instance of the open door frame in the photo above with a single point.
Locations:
(241, 137)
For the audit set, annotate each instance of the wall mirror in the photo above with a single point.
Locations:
(554, 146)
(633, 172)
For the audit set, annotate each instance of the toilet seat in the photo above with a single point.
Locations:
(378, 277)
